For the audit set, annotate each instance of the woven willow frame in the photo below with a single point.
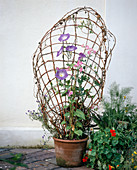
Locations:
(87, 27)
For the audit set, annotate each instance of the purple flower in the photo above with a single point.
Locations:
(45, 95)
(61, 74)
(43, 136)
(81, 55)
(60, 51)
(64, 37)
(68, 92)
(71, 48)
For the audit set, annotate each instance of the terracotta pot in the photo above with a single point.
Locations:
(69, 153)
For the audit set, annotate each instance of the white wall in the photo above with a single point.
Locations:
(22, 25)
(121, 19)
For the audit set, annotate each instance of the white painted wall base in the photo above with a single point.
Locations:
(17, 136)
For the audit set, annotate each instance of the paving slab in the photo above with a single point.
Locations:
(5, 165)
(51, 150)
(35, 159)
(25, 151)
(5, 155)
(3, 150)
(21, 168)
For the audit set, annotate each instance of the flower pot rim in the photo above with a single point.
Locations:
(70, 141)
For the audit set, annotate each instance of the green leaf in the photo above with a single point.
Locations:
(114, 150)
(92, 153)
(72, 78)
(104, 166)
(100, 141)
(109, 155)
(82, 89)
(96, 83)
(57, 92)
(65, 106)
(64, 93)
(121, 143)
(67, 114)
(71, 65)
(78, 132)
(68, 81)
(99, 163)
(79, 81)
(63, 122)
(121, 159)
(114, 142)
(80, 114)
(73, 101)
(79, 124)
(106, 151)
(68, 127)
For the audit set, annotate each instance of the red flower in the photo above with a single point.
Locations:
(85, 159)
(113, 134)
(110, 167)
(90, 149)
(112, 131)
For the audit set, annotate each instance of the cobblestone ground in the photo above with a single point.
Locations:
(35, 159)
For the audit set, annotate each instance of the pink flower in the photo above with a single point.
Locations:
(89, 52)
(91, 49)
(57, 68)
(70, 93)
(68, 69)
(79, 63)
(87, 47)
(82, 45)
(94, 51)
(81, 69)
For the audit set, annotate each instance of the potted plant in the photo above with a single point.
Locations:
(75, 118)
(69, 68)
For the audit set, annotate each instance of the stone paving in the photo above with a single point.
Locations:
(35, 159)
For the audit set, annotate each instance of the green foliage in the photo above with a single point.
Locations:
(79, 114)
(106, 149)
(86, 24)
(117, 106)
(74, 124)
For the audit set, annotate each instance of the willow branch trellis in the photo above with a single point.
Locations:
(87, 31)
